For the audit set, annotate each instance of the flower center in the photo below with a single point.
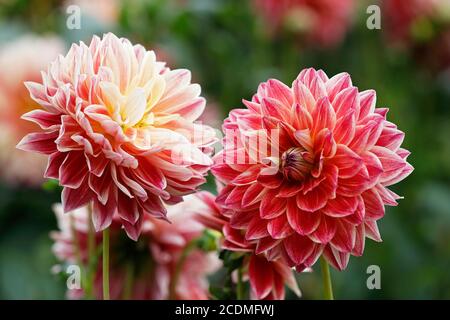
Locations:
(293, 165)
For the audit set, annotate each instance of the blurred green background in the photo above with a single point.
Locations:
(230, 49)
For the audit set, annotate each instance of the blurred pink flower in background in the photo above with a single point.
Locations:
(422, 26)
(326, 184)
(152, 260)
(119, 131)
(323, 22)
(104, 11)
(21, 60)
(267, 277)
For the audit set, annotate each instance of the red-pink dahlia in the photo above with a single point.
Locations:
(321, 21)
(267, 278)
(144, 269)
(119, 131)
(307, 168)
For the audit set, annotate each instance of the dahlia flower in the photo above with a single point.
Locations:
(307, 168)
(119, 131)
(267, 278)
(322, 21)
(19, 62)
(152, 259)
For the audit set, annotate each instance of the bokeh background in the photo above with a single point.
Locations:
(231, 46)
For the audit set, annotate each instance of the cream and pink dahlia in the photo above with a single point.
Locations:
(118, 127)
(267, 278)
(307, 168)
(144, 269)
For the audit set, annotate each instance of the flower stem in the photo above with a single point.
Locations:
(239, 286)
(106, 264)
(326, 277)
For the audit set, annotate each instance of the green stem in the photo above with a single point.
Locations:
(173, 284)
(106, 264)
(239, 286)
(326, 278)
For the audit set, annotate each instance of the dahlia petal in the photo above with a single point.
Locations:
(358, 249)
(347, 161)
(372, 231)
(303, 96)
(73, 170)
(283, 271)
(325, 231)
(40, 142)
(337, 259)
(257, 229)
(241, 219)
(358, 215)
(304, 138)
(345, 128)
(253, 194)
(75, 198)
(279, 228)
(340, 207)
(272, 207)
(389, 197)
(288, 190)
(367, 102)
(323, 115)
(45, 120)
(314, 256)
(300, 117)
(224, 172)
(55, 160)
(127, 209)
(374, 206)
(97, 165)
(102, 215)
(101, 186)
(390, 138)
(337, 83)
(346, 100)
(302, 222)
(247, 177)
(317, 87)
(265, 244)
(324, 143)
(345, 237)
(279, 91)
(271, 181)
(235, 197)
(274, 108)
(261, 276)
(133, 230)
(355, 185)
(402, 175)
(298, 248)
(391, 162)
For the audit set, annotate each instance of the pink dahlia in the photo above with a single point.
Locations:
(267, 277)
(119, 130)
(19, 62)
(307, 168)
(321, 21)
(144, 269)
